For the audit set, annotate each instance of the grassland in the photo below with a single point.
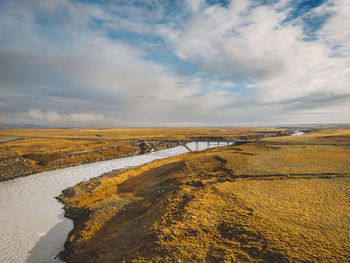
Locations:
(321, 136)
(24, 157)
(136, 133)
(26, 151)
(268, 201)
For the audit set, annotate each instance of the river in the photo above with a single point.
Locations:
(298, 132)
(33, 228)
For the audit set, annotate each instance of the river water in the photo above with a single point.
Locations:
(33, 228)
(297, 132)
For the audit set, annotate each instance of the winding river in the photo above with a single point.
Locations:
(33, 228)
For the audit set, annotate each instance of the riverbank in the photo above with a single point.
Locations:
(27, 164)
(249, 203)
(50, 149)
(34, 228)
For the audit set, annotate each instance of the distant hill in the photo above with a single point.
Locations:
(20, 126)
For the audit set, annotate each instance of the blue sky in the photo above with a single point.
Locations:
(174, 63)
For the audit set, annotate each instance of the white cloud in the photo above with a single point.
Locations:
(249, 43)
(112, 76)
(335, 31)
(55, 118)
(69, 71)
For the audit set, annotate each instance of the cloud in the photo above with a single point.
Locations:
(55, 118)
(165, 64)
(91, 72)
(334, 32)
(250, 43)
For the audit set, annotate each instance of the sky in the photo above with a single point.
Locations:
(174, 63)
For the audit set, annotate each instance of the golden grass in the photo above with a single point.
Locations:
(250, 203)
(333, 135)
(316, 207)
(57, 140)
(57, 148)
(47, 146)
(23, 157)
(138, 133)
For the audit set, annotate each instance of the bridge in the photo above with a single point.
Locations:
(148, 145)
(152, 144)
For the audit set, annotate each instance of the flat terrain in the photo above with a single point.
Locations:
(263, 201)
(135, 133)
(27, 151)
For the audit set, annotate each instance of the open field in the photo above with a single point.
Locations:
(24, 157)
(136, 133)
(26, 151)
(66, 139)
(257, 202)
(329, 135)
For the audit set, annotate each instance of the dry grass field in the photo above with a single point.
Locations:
(318, 135)
(24, 157)
(26, 151)
(135, 133)
(47, 146)
(257, 202)
(61, 140)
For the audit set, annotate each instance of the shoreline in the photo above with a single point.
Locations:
(76, 214)
(180, 190)
(24, 168)
(24, 165)
(30, 205)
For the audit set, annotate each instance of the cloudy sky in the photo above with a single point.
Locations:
(174, 63)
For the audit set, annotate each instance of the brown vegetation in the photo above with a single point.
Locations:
(258, 202)
(38, 155)
(26, 151)
(138, 133)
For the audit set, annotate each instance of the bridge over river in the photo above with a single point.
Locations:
(152, 144)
